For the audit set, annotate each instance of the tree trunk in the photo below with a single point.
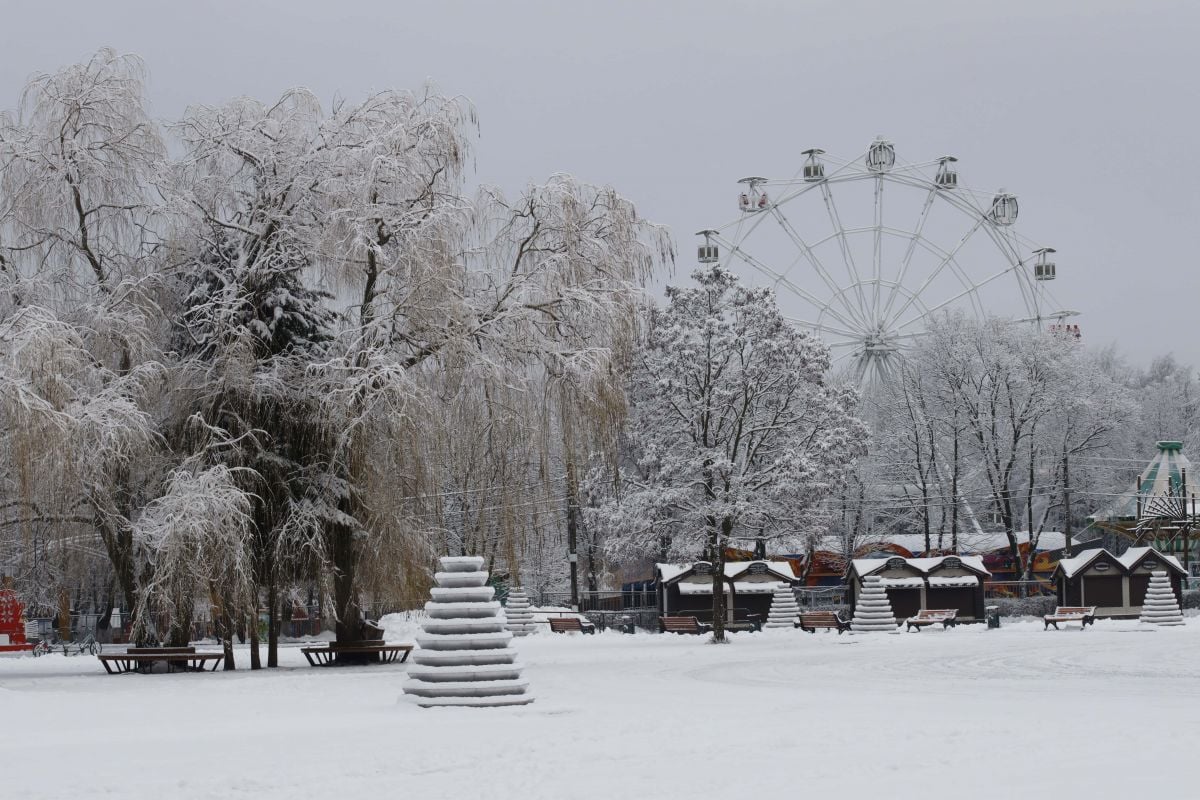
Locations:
(272, 623)
(345, 599)
(180, 634)
(225, 629)
(954, 490)
(255, 656)
(721, 535)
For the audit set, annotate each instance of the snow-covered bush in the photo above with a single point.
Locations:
(1024, 606)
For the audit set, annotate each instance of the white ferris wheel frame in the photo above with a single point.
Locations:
(863, 312)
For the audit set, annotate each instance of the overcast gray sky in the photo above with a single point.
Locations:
(1087, 110)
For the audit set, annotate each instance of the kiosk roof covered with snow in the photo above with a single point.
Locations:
(686, 589)
(914, 584)
(1116, 585)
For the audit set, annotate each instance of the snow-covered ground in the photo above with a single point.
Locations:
(968, 713)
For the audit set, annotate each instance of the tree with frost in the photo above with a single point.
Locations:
(196, 539)
(1008, 403)
(78, 252)
(731, 415)
(456, 302)
(307, 298)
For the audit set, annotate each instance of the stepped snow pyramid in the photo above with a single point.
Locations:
(1160, 606)
(784, 609)
(873, 612)
(520, 616)
(462, 656)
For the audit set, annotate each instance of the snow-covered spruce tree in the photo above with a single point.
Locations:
(730, 406)
(249, 325)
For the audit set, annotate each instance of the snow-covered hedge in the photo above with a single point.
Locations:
(1191, 598)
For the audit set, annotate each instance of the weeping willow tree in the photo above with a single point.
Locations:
(78, 330)
(304, 326)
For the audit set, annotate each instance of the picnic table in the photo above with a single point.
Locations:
(142, 659)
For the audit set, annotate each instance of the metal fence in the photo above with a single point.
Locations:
(993, 590)
(606, 601)
(822, 597)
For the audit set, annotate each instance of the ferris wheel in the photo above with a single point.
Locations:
(865, 253)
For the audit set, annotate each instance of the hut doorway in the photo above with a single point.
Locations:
(1103, 591)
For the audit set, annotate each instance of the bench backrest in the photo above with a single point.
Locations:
(154, 651)
(558, 624)
(1074, 610)
(680, 623)
(937, 613)
(818, 616)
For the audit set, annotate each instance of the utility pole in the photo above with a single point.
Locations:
(1187, 521)
(1067, 499)
(573, 531)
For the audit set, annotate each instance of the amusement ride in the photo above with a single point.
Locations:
(828, 241)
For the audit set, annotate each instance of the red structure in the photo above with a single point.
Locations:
(12, 624)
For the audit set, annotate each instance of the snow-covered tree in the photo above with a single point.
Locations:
(988, 414)
(736, 433)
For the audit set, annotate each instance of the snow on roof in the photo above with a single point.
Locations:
(1135, 554)
(743, 587)
(903, 583)
(977, 541)
(1071, 566)
(954, 581)
(668, 572)
(864, 566)
(733, 569)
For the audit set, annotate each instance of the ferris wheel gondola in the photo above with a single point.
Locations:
(869, 287)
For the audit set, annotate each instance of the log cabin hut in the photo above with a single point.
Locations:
(1116, 585)
(914, 584)
(686, 589)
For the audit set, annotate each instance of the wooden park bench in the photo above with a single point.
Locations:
(1084, 615)
(570, 625)
(683, 625)
(374, 649)
(142, 659)
(811, 620)
(933, 616)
